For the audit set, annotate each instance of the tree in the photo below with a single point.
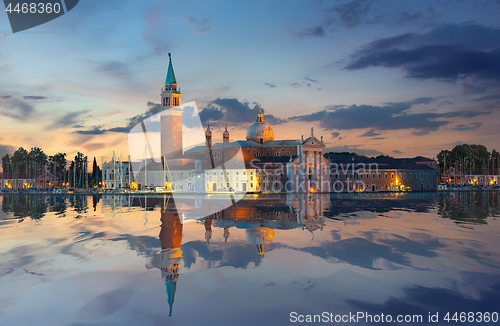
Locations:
(95, 173)
(81, 168)
(18, 161)
(58, 165)
(36, 160)
(6, 163)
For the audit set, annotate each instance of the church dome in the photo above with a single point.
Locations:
(208, 132)
(260, 132)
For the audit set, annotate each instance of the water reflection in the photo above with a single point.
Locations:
(291, 250)
(469, 207)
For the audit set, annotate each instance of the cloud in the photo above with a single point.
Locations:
(154, 32)
(469, 127)
(311, 80)
(69, 119)
(34, 98)
(202, 26)
(352, 148)
(16, 109)
(270, 84)
(354, 13)
(320, 30)
(234, 111)
(452, 52)
(6, 149)
(370, 133)
(153, 108)
(397, 151)
(335, 134)
(392, 116)
(114, 68)
(96, 130)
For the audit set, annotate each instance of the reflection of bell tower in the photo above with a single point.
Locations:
(171, 119)
(171, 253)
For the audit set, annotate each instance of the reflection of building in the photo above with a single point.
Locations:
(242, 165)
(171, 253)
(260, 216)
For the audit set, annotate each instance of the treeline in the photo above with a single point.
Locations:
(468, 158)
(34, 163)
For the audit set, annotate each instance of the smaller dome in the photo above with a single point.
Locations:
(225, 133)
(208, 132)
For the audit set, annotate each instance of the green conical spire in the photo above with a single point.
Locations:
(170, 72)
(170, 292)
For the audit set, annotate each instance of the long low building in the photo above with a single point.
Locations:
(374, 177)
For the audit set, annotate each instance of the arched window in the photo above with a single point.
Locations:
(277, 154)
(215, 155)
(257, 154)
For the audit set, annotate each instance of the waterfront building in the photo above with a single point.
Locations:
(476, 177)
(14, 180)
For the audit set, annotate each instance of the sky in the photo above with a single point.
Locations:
(399, 78)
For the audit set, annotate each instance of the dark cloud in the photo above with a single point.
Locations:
(488, 98)
(370, 133)
(96, 130)
(452, 52)
(335, 134)
(320, 30)
(69, 119)
(34, 98)
(270, 84)
(392, 116)
(469, 127)
(234, 111)
(363, 12)
(6, 149)
(114, 68)
(397, 151)
(202, 25)
(153, 108)
(354, 13)
(14, 108)
(311, 80)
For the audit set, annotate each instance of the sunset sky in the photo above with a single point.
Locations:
(400, 78)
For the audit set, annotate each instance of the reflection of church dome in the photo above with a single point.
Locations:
(260, 132)
(260, 237)
(208, 132)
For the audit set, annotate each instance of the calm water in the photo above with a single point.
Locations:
(131, 260)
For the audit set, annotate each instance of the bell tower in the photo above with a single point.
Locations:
(171, 119)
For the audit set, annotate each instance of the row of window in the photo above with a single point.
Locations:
(401, 175)
(257, 154)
